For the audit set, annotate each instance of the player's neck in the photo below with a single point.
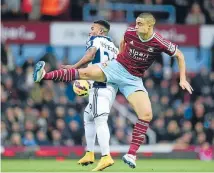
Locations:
(104, 35)
(146, 36)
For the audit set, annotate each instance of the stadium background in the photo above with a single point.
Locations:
(46, 120)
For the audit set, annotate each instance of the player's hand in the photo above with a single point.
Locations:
(185, 85)
(66, 66)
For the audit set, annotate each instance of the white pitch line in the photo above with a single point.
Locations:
(105, 172)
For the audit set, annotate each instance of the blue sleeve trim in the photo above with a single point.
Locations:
(99, 36)
(92, 38)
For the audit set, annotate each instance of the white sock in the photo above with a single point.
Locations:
(90, 132)
(103, 134)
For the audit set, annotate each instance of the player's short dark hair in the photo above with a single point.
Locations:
(103, 23)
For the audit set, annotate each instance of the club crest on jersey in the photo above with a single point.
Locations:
(172, 48)
(104, 64)
(151, 49)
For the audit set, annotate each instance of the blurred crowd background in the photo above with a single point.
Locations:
(49, 113)
(187, 11)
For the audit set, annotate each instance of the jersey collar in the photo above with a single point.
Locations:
(108, 38)
(147, 39)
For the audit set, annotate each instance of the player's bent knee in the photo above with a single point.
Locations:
(84, 74)
(146, 116)
(92, 73)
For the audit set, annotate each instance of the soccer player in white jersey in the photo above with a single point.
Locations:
(101, 97)
(99, 49)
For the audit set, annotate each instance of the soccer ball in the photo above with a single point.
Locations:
(81, 87)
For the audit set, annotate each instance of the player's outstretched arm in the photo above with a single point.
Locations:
(87, 58)
(182, 67)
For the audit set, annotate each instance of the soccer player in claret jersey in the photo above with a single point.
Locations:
(138, 50)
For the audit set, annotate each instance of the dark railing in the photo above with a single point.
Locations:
(168, 11)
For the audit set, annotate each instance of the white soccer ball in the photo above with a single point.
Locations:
(81, 87)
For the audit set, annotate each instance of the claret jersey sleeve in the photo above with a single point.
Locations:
(166, 46)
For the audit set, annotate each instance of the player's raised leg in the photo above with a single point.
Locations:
(143, 110)
(39, 71)
(67, 75)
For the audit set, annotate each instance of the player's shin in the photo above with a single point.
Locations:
(103, 134)
(90, 135)
(90, 132)
(63, 75)
(138, 136)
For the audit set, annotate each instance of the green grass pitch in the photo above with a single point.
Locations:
(142, 166)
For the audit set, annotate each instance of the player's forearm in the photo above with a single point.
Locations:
(84, 61)
(122, 46)
(87, 58)
(181, 63)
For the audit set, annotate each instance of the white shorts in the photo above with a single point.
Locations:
(101, 100)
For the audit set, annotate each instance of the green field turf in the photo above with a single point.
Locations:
(119, 166)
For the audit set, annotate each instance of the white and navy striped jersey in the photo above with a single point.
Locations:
(106, 50)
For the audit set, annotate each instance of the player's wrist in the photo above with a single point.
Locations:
(182, 78)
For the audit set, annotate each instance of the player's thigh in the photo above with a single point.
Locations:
(92, 72)
(140, 102)
(88, 118)
(101, 104)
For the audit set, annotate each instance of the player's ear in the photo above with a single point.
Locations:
(101, 30)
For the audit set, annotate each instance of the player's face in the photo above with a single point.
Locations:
(142, 26)
(95, 30)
